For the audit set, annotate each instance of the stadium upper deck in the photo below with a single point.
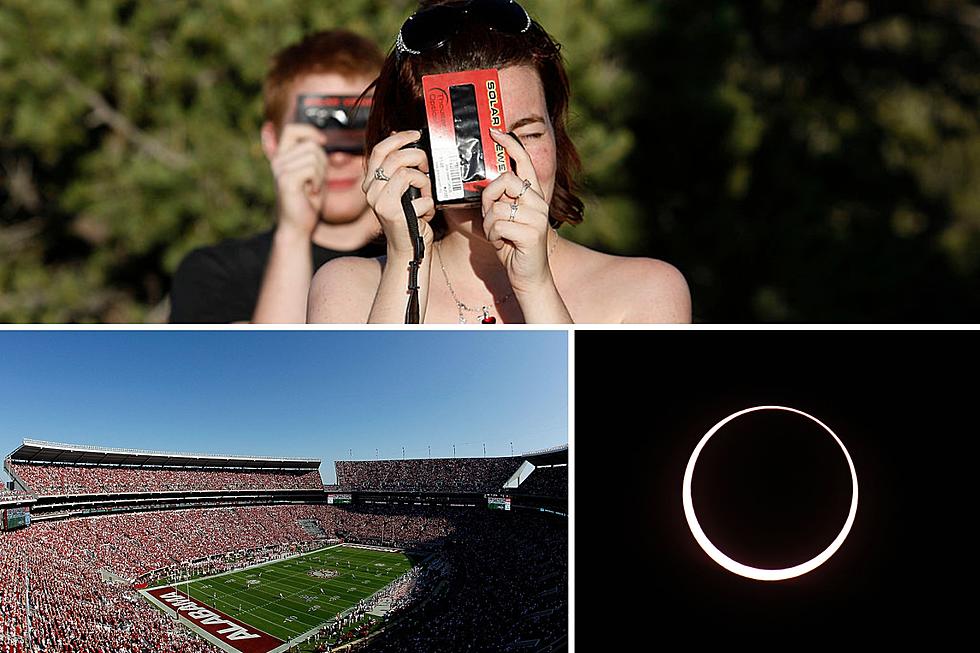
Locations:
(66, 480)
(55, 469)
(459, 475)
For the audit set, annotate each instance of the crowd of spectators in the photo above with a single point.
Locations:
(11, 494)
(223, 563)
(405, 526)
(500, 577)
(143, 542)
(54, 479)
(75, 608)
(352, 624)
(546, 482)
(72, 609)
(427, 475)
(503, 587)
(398, 594)
(362, 618)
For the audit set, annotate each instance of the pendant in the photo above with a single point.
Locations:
(487, 318)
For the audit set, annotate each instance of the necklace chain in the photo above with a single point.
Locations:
(483, 311)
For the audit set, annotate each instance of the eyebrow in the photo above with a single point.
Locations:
(523, 122)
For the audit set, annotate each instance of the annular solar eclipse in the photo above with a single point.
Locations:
(733, 565)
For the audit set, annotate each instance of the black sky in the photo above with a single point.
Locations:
(772, 489)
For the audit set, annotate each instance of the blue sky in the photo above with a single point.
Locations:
(287, 393)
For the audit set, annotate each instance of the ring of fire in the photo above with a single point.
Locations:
(753, 572)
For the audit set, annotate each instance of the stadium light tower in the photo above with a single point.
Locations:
(484, 449)
(512, 448)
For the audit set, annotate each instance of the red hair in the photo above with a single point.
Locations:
(331, 51)
(398, 103)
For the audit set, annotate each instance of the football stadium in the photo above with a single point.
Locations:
(107, 550)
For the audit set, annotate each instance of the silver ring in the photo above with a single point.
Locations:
(513, 212)
(380, 175)
(527, 184)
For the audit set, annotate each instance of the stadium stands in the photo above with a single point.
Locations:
(427, 475)
(503, 591)
(141, 542)
(12, 494)
(502, 588)
(56, 469)
(546, 481)
(72, 609)
(53, 479)
(409, 526)
(497, 580)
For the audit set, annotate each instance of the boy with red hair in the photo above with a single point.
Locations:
(321, 211)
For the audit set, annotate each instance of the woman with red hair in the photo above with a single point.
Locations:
(503, 261)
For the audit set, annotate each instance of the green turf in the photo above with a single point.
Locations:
(362, 572)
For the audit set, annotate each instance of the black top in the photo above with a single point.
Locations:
(220, 284)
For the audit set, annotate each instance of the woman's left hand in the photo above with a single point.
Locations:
(521, 236)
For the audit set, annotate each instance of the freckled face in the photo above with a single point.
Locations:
(527, 116)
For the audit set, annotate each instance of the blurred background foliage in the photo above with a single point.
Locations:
(798, 161)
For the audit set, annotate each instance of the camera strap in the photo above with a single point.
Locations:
(418, 247)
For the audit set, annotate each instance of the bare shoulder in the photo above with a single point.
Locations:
(343, 290)
(659, 292)
(623, 289)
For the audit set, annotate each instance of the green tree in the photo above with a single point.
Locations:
(814, 161)
(129, 134)
(798, 161)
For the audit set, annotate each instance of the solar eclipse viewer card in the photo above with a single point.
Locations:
(460, 109)
(341, 117)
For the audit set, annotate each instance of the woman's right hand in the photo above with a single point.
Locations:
(404, 168)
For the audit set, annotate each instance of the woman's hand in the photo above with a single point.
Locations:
(521, 236)
(403, 168)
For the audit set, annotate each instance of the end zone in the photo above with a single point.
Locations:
(225, 631)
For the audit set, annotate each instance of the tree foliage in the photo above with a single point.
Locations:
(814, 161)
(811, 161)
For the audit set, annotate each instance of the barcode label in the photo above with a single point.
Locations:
(456, 179)
(449, 175)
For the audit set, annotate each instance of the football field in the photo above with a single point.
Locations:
(259, 609)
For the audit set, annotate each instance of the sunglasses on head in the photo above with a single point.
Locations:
(432, 27)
